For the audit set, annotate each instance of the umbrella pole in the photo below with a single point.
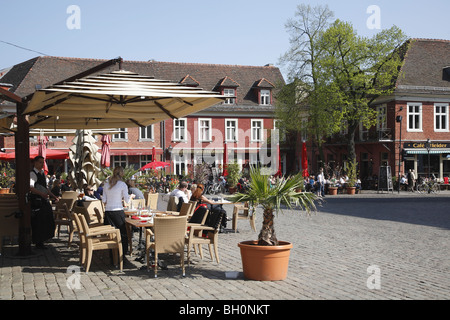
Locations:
(23, 165)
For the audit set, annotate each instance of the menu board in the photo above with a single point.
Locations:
(385, 179)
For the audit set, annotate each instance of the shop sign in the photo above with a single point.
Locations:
(422, 145)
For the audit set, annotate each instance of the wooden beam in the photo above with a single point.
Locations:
(10, 96)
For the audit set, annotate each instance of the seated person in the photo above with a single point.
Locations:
(89, 194)
(132, 189)
(181, 192)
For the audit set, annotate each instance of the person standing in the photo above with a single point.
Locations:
(321, 183)
(42, 220)
(114, 192)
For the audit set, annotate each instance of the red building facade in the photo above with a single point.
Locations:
(240, 125)
(417, 112)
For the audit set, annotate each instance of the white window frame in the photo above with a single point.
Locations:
(201, 136)
(264, 97)
(235, 128)
(281, 132)
(144, 137)
(180, 163)
(117, 136)
(381, 117)
(414, 104)
(230, 92)
(441, 117)
(56, 138)
(183, 136)
(261, 128)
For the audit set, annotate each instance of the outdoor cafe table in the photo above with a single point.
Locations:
(133, 220)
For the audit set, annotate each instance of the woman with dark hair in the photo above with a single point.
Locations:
(198, 196)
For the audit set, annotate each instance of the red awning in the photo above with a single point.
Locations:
(133, 152)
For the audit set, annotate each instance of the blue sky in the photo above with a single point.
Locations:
(238, 32)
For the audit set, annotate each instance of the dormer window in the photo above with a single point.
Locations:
(229, 92)
(263, 88)
(264, 97)
(228, 87)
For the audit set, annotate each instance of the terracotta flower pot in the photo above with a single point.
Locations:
(4, 190)
(332, 191)
(265, 263)
(351, 190)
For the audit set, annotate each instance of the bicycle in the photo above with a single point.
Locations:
(428, 186)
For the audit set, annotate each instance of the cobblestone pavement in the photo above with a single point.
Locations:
(402, 238)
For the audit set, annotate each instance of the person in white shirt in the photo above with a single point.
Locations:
(114, 192)
(321, 182)
(181, 192)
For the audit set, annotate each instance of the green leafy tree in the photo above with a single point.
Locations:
(295, 98)
(353, 72)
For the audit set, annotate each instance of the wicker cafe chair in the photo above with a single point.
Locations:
(97, 238)
(138, 203)
(207, 233)
(96, 210)
(241, 211)
(151, 200)
(63, 217)
(92, 216)
(9, 224)
(185, 210)
(169, 234)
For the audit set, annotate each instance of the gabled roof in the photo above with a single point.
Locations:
(189, 81)
(47, 70)
(423, 68)
(263, 84)
(227, 82)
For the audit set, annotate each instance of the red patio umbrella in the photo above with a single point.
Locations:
(278, 174)
(225, 160)
(50, 154)
(106, 154)
(155, 165)
(153, 154)
(304, 161)
(42, 150)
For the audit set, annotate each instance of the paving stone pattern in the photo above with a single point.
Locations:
(405, 236)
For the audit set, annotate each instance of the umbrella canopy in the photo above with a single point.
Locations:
(106, 151)
(42, 150)
(34, 152)
(225, 160)
(279, 173)
(304, 161)
(155, 165)
(120, 99)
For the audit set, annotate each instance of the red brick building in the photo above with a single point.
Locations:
(242, 123)
(421, 98)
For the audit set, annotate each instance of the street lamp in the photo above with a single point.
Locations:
(428, 146)
(399, 119)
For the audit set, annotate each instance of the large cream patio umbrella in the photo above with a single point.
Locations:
(119, 99)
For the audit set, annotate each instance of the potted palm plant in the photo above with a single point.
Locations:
(267, 258)
(352, 177)
(234, 172)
